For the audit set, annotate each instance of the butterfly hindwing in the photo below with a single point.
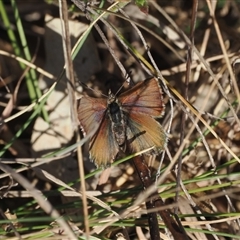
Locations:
(144, 132)
(103, 147)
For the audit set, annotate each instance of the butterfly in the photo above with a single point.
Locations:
(124, 123)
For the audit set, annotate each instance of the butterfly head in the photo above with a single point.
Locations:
(111, 97)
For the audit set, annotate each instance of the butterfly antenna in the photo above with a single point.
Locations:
(128, 80)
(94, 90)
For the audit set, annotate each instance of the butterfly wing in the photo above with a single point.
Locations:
(144, 132)
(145, 97)
(94, 120)
(103, 146)
(91, 112)
(142, 104)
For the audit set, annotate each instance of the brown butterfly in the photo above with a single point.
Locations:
(124, 123)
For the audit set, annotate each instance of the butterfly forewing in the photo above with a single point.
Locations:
(145, 97)
(91, 112)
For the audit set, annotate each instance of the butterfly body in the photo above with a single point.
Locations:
(124, 122)
(118, 121)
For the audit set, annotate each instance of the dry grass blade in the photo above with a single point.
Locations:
(45, 205)
(72, 100)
